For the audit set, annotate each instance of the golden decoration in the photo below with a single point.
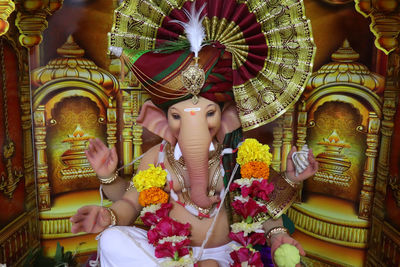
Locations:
(333, 164)
(333, 230)
(385, 21)
(32, 19)
(193, 79)
(77, 164)
(345, 69)
(71, 64)
(6, 8)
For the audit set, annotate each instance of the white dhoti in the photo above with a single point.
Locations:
(118, 247)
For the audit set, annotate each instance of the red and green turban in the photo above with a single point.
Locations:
(258, 53)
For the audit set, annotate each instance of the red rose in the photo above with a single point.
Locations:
(249, 208)
(243, 255)
(253, 238)
(258, 189)
(150, 218)
(168, 249)
(167, 227)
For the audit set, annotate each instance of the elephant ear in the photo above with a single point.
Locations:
(229, 121)
(154, 119)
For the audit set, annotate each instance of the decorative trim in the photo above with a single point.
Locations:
(333, 231)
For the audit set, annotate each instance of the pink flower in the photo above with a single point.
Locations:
(251, 239)
(150, 218)
(258, 189)
(234, 186)
(167, 227)
(249, 208)
(243, 255)
(172, 250)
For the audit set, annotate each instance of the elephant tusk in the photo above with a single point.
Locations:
(178, 151)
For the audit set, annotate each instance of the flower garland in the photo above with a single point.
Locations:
(251, 192)
(170, 238)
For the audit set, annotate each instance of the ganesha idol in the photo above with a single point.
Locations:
(207, 196)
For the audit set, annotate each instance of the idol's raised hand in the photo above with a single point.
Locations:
(311, 169)
(103, 160)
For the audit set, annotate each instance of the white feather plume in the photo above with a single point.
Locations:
(193, 28)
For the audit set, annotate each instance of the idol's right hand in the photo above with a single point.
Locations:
(103, 159)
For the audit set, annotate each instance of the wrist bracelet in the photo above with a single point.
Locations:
(290, 182)
(273, 231)
(113, 217)
(110, 179)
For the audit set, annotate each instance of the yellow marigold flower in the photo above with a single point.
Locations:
(152, 177)
(255, 169)
(152, 196)
(252, 150)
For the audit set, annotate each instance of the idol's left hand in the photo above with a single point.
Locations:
(282, 238)
(311, 169)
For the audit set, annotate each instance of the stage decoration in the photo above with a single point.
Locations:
(333, 164)
(77, 164)
(250, 195)
(263, 50)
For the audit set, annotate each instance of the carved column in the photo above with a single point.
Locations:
(287, 136)
(41, 158)
(32, 19)
(277, 145)
(127, 135)
(301, 125)
(111, 123)
(371, 152)
(137, 101)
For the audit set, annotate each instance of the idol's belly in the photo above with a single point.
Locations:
(199, 227)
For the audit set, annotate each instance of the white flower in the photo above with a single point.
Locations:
(152, 208)
(247, 182)
(173, 239)
(247, 228)
(185, 261)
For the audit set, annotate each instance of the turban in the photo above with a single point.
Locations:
(258, 53)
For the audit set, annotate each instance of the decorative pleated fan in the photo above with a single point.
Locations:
(270, 43)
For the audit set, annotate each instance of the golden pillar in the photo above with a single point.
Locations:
(385, 21)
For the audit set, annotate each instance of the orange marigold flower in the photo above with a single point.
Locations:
(153, 195)
(255, 169)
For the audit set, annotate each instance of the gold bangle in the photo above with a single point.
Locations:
(273, 231)
(113, 217)
(290, 182)
(110, 179)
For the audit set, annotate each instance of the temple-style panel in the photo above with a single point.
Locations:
(339, 117)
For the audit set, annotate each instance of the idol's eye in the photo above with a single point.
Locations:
(210, 113)
(175, 116)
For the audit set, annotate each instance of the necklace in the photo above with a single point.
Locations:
(188, 204)
(178, 168)
(215, 157)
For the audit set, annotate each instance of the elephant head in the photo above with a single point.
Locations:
(193, 126)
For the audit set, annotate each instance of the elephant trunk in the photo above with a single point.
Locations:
(194, 140)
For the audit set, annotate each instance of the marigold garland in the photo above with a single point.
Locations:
(255, 169)
(152, 196)
(152, 177)
(252, 150)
